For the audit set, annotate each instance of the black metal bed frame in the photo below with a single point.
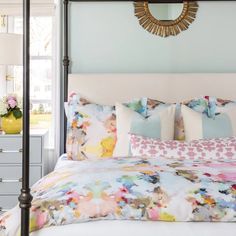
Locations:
(25, 197)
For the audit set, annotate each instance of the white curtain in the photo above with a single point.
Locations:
(57, 84)
(38, 7)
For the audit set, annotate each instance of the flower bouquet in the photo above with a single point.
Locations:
(11, 113)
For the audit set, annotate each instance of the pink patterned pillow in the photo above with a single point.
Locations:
(220, 148)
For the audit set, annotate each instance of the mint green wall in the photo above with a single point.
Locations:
(106, 37)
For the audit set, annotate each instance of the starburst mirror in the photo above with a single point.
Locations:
(166, 19)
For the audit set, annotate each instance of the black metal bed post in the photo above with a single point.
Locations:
(66, 63)
(25, 197)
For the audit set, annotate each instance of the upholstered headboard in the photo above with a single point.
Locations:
(110, 88)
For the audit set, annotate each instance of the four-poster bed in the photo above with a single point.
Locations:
(25, 197)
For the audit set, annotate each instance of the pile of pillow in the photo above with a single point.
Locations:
(200, 128)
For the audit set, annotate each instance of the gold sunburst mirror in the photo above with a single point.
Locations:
(166, 19)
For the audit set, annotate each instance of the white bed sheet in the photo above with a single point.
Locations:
(137, 228)
(62, 161)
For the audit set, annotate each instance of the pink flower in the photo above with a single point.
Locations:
(11, 97)
(12, 103)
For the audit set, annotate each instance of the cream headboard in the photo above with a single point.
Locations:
(111, 88)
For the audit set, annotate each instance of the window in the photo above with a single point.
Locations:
(41, 68)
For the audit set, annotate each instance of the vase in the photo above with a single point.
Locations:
(11, 125)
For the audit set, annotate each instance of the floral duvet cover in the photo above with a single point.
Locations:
(131, 188)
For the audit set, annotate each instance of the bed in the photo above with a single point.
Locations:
(155, 86)
(152, 85)
(122, 87)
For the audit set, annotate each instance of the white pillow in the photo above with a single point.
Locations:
(199, 126)
(160, 125)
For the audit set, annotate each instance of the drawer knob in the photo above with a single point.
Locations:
(11, 151)
(10, 180)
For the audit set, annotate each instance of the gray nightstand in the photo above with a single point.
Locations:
(10, 165)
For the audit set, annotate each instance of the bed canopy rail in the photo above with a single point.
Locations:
(150, 1)
(25, 197)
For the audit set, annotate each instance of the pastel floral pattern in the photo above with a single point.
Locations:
(152, 105)
(219, 149)
(91, 129)
(131, 188)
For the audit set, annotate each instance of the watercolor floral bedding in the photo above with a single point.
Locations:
(91, 129)
(131, 188)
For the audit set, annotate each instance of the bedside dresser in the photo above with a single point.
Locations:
(11, 165)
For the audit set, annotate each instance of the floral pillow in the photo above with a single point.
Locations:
(201, 105)
(152, 105)
(221, 148)
(91, 129)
